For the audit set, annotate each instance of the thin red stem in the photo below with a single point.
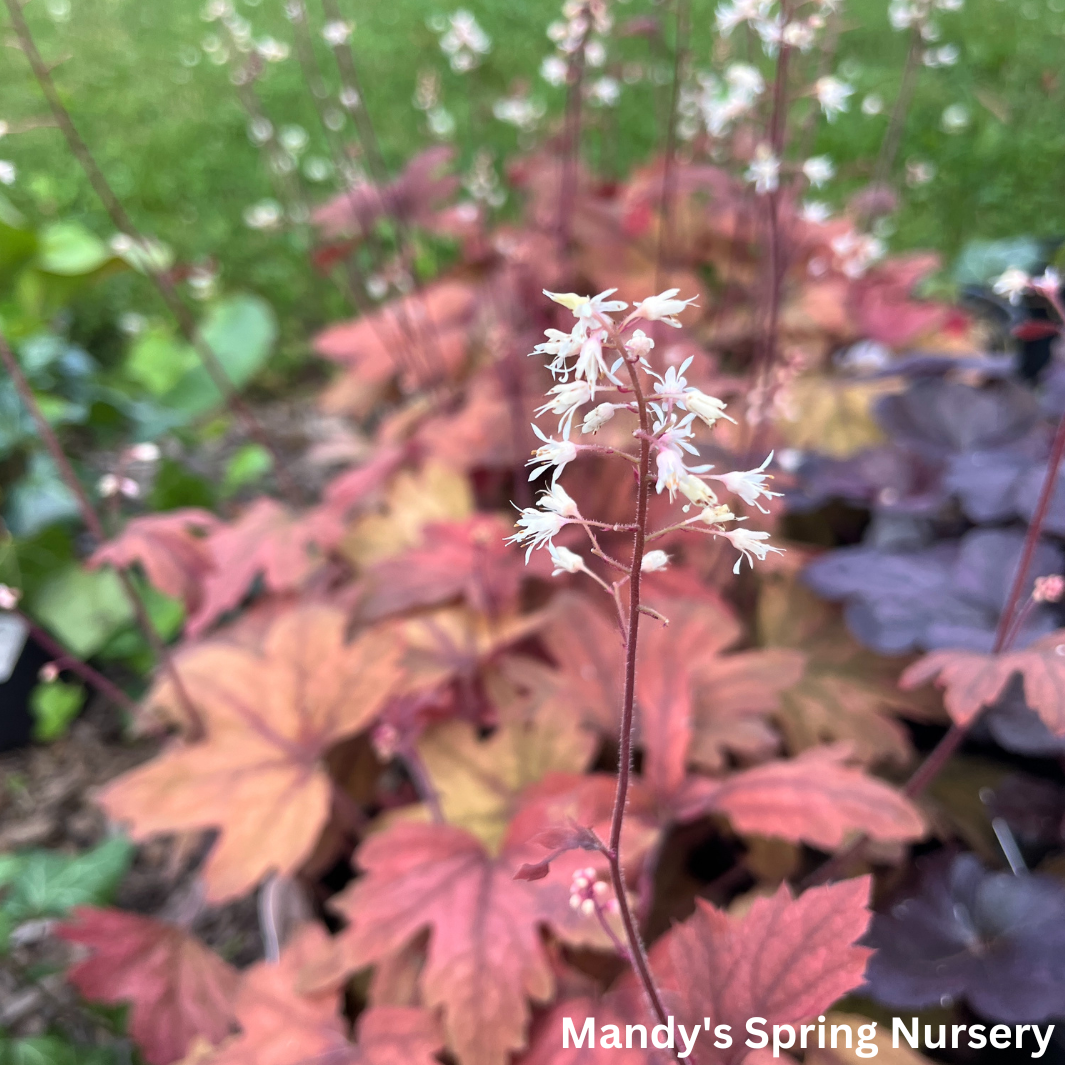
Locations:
(96, 529)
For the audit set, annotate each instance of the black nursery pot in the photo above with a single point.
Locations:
(20, 663)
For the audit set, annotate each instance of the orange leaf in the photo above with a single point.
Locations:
(178, 989)
(282, 1027)
(816, 799)
(270, 718)
(786, 960)
(973, 680)
(485, 957)
(175, 559)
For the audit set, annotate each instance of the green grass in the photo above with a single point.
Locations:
(172, 137)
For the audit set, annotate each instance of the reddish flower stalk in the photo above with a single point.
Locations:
(571, 145)
(96, 530)
(122, 222)
(64, 660)
(669, 191)
(636, 951)
(889, 147)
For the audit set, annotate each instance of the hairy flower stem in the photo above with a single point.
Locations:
(122, 222)
(636, 951)
(889, 147)
(62, 659)
(669, 182)
(96, 530)
(571, 144)
(1005, 633)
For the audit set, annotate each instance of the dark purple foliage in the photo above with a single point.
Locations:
(995, 939)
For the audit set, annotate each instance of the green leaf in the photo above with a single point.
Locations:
(83, 608)
(158, 361)
(981, 261)
(241, 331)
(51, 1050)
(38, 499)
(248, 464)
(54, 705)
(49, 884)
(69, 249)
(176, 486)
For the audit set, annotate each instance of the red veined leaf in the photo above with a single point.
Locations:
(177, 988)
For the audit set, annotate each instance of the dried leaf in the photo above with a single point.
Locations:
(270, 718)
(170, 547)
(785, 959)
(973, 681)
(177, 988)
(817, 799)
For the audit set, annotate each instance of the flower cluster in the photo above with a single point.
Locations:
(464, 42)
(581, 29)
(668, 410)
(716, 105)
(588, 893)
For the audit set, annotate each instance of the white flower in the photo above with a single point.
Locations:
(538, 527)
(8, 172)
(857, 252)
(955, 118)
(273, 51)
(654, 561)
(749, 485)
(562, 347)
(818, 170)
(817, 212)
(263, 215)
(1049, 285)
(671, 471)
(749, 543)
(587, 307)
(731, 15)
(707, 408)
(718, 514)
(558, 453)
(144, 453)
(745, 80)
(558, 501)
(662, 308)
(590, 363)
(605, 91)
(565, 560)
(519, 111)
(639, 345)
(696, 489)
(109, 485)
(764, 171)
(800, 35)
(337, 33)
(554, 70)
(873, 104)
(567, 398)
(9, 597)
(670, 386)
(833, 95)
(464, 42)
(597, 417)
(1013, 284)
(595, 53)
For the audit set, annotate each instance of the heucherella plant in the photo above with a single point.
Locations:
(602, 370)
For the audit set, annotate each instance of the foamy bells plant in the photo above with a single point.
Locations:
(586, 363)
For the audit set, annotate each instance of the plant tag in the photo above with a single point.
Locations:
(13, 633)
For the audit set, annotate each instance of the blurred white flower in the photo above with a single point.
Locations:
(8, 172)
(554, 70)
(519, 111)
(654, 561)
(273, 51)
(565, 560)
(294, 139)
(464, 42)
(764, 171)
(833, 95)
(818, 169)
(873, 104)
(955, 118)
(266, 214)
(605, 91)
(336, 33)
(817, 212)
(1012, 284)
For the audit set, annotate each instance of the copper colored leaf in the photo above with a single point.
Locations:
(587, 646)
(177, 988)
(258, 776)
(972, 680)
(817, 799)
(170, 547)
(846, 693)
(281, 1026)
(479, 781)
(785, 959)
(462, 558)
(831, 414)
(266, 540)
(485, 958)
(423, 336)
